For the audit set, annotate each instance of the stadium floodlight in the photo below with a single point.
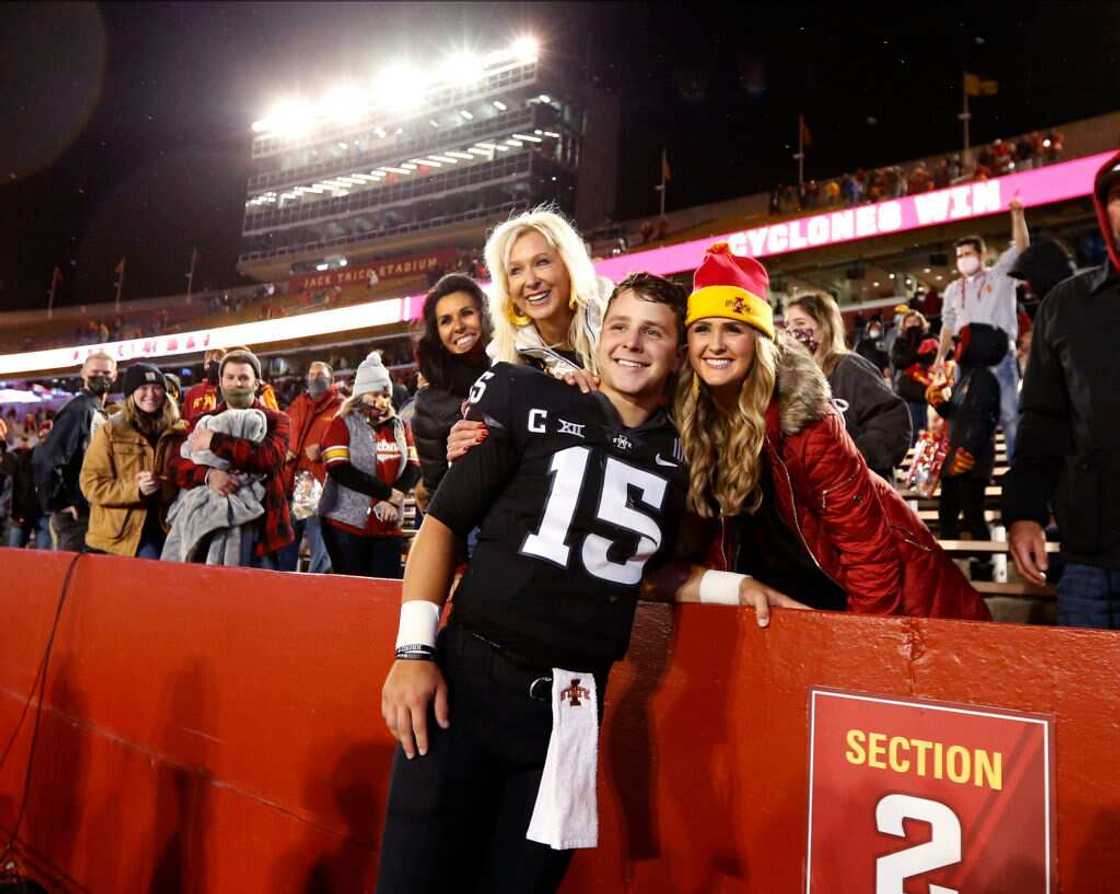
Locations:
(433, 122)
(484, 152)
(467, 116)
(527, 137)
(516, 144)
(260, 126)
(447, 159)
(552, 133)
(344, 104)
(342, 262)
(396, 170)
(409, 165)
(461, 69)
(458, 153)
(289, 118)
(322, 267)
(486, 145)
(399, 88)
(525, 49)
(426, 162)
(499, 105)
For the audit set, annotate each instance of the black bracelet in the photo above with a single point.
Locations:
(416, 652)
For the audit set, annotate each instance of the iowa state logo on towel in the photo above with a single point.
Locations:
(574, 693)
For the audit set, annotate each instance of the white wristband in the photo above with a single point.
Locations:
(419, 620)
(721, 587)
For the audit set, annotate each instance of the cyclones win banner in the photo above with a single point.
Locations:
(909, 797)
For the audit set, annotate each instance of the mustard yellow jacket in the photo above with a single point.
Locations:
(117, 510)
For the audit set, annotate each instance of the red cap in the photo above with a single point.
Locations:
(731, 286)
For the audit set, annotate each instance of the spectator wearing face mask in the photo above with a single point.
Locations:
(311, 414)
(58, 458)
(912, 356)
(874, 416)
(246, 460)
(871, 345)
(988, 295)
(202, 397)
(371, 464)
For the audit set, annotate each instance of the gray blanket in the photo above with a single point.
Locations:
(201, 516)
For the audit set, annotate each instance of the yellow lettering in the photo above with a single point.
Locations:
(960, 764)
(876, 749)
(922, 746)
(855, 753)
(938, 761)
(989, 769)
(899, 765)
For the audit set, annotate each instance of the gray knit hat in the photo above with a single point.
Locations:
(372, 376)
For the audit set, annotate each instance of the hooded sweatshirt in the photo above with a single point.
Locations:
(1067, 456)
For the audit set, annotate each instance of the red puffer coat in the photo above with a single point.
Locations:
(859, 530)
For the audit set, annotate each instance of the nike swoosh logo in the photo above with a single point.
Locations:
(664, 462)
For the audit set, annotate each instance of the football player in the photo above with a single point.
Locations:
(575, 495)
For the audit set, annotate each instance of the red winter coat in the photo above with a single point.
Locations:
(859, 530)
(310, 421)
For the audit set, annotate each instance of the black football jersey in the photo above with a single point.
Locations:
(572, 508)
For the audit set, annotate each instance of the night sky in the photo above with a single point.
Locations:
(126, 126)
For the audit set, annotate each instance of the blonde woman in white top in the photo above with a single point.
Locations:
(546, 301)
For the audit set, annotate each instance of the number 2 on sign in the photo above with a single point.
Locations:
(943, 848)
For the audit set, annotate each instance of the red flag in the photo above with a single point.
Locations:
(56, 277)
(120, 267)
(804, 135)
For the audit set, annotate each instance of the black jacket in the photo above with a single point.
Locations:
(57, 461)
(876, 418)
(1067, 454)
(25, 503)
(973, 410)
(436, 410)
(905, 355)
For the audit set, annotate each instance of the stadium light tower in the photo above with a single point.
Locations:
(344, 104)
(289, 117)
(399, 88)
(526, 49)
(462, 68)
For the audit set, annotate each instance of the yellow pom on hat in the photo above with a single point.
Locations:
(733, 287)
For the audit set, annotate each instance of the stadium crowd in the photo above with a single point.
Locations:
(315, 471)
(894, 181)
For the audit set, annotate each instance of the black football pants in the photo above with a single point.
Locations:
(457, 816)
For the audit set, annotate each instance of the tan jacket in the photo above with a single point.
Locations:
(117, 511)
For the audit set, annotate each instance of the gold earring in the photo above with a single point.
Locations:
(514, 317)
(573, 304)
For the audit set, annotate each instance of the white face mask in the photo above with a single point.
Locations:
(968, 265)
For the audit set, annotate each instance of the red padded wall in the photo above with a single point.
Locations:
(218, 730)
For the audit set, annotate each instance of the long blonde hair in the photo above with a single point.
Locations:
(723, 452)
(826, 314)
(586, 298)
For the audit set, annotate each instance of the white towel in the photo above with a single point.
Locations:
(566, 814)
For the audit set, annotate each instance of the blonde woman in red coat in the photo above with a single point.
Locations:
(770, 462)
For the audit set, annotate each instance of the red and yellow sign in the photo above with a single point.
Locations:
(373, 272)
(920, 796)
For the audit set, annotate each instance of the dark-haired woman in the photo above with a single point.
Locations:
(451, 354)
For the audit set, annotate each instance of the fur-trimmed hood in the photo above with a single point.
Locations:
(803, 395)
